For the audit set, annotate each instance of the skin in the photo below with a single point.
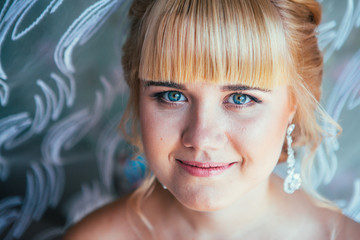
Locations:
(244, 202)
(207, 126)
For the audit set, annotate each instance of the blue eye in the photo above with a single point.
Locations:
(240, 99)
(173, 96)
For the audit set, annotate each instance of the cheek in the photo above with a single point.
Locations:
(160, 135)
(156, 129)
(259, 140)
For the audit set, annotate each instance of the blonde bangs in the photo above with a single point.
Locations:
(217, 41)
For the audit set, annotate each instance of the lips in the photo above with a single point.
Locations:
(204, 169)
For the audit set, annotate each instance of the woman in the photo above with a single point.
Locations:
(221, 91)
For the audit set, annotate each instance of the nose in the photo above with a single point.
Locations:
(205, 129)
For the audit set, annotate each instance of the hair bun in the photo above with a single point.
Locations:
(315, 10)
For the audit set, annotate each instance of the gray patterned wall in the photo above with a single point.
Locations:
(62, 94)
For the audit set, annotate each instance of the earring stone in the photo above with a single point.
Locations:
(292, 181)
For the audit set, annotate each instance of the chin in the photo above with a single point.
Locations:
(205, 206)
(203, 201)
(208, 208)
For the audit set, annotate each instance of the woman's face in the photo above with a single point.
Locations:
(212, 144)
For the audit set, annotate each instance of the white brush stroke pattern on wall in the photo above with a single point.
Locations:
(45, 178)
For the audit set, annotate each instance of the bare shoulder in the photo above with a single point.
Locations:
(347, 228)
(107, 222)
(317, 219)
(337, 226)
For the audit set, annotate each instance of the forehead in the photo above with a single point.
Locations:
(227, 42)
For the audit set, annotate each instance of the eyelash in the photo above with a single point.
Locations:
(159, 96)
(253, 100)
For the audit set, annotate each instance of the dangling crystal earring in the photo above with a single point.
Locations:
(293, 180)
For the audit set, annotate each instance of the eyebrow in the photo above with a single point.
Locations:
(182, 87)
(242, 88)
(164, 84)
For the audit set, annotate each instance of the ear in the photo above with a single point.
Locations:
(293, 108)
(292, 104)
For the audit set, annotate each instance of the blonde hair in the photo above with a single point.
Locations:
(258, 43)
